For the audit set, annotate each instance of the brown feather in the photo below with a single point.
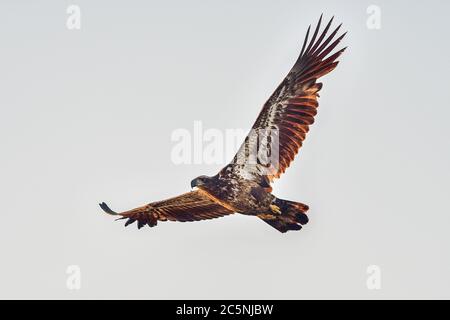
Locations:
(293, 105)
(191, 206)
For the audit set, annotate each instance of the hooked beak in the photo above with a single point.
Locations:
(196, 183)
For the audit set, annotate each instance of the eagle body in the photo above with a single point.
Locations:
(244, 185)
(239, 195)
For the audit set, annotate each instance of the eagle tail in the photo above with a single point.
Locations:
(286, 215)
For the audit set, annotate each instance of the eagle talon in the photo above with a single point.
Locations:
(275, 209)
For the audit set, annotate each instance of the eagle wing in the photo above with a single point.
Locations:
(191, 206)
(281, 127)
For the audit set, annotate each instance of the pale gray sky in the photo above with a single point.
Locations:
(87, 116)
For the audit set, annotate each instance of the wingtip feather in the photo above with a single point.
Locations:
(107, 209)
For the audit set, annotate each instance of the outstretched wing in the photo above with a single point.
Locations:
(281, 127)
(191, 206)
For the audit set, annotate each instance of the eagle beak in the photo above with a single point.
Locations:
(197, 182)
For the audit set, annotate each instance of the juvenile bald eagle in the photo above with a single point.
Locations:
(243, 186)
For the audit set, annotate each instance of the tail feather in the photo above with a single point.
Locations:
(293, 216)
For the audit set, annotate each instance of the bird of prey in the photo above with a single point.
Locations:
(244, 185)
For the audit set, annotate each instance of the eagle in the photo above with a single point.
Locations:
(244, 185)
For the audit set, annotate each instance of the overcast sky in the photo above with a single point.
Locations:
(87, 116)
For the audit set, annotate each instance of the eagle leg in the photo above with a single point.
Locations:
(286, 215)
(275, 209)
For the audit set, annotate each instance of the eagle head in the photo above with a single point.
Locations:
(199, 181)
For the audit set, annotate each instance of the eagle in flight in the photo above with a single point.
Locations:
(243, 186)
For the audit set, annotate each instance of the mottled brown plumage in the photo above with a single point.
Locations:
(243, 186)
(191, 206)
